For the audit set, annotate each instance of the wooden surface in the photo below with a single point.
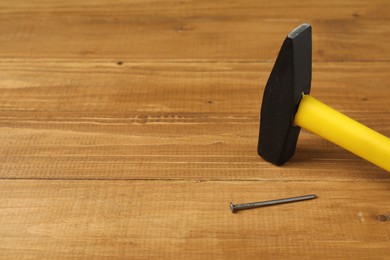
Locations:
(127, 127)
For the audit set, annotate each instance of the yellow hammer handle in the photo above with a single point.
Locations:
(336, 127)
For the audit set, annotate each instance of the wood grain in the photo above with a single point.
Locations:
(165, 220)
(81, 119)
(250, 30)
(127, 127)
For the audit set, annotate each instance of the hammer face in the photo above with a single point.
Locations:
(290, 77)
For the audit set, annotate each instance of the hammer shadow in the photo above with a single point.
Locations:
(328, 158)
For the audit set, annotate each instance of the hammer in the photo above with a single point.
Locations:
(287, 106)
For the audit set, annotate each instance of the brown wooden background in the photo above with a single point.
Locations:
(127, 127)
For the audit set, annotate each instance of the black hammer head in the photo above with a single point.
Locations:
(290, 77)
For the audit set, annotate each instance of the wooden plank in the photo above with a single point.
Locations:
(127, 127)
(77, 119)
(374, 9)
(202, 30)
(181, 219)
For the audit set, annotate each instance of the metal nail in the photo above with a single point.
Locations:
(383, 217)
(237, 207)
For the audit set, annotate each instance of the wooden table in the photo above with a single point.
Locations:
(127, 127)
